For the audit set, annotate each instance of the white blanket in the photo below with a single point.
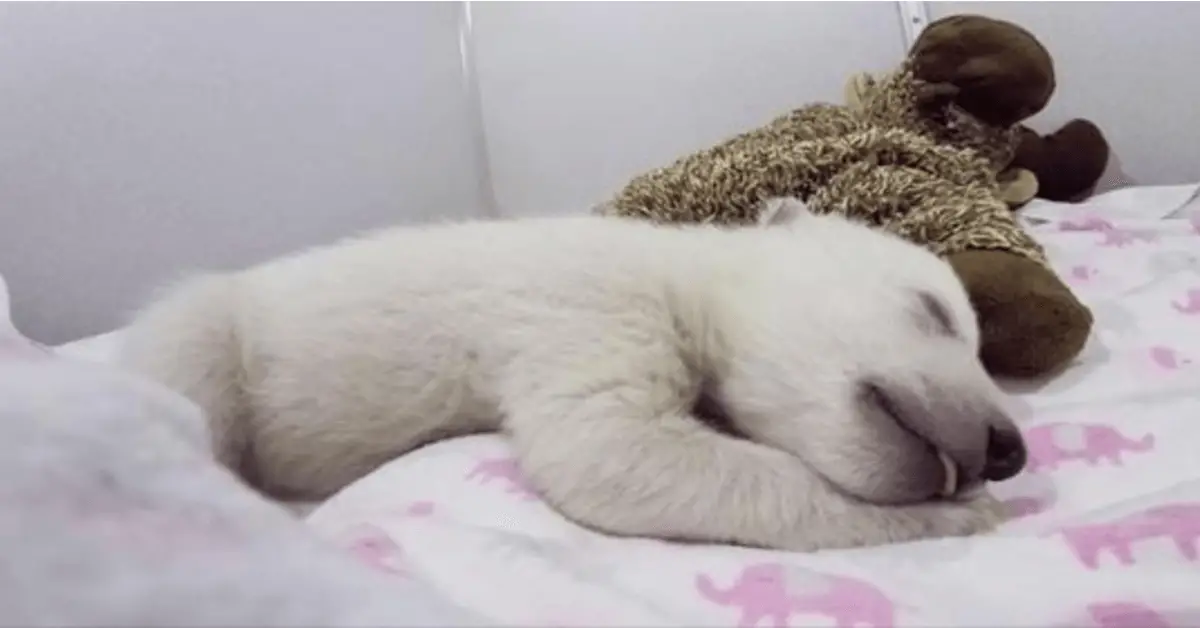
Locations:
(113, 513)
(1108, 515)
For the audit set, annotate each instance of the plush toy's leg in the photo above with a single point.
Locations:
(617, 450)
(1031, 324)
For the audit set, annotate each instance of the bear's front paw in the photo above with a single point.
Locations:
(943, 519)
(868, 525)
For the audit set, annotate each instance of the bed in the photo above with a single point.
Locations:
(1105, 527)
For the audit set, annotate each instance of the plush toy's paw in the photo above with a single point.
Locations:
(1017, 186)
(857, 88)
(1030, 323)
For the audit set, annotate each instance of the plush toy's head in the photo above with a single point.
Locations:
(994, 70)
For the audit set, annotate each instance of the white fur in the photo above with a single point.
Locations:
(588, 340)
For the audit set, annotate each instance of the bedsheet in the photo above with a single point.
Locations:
(1106, 519)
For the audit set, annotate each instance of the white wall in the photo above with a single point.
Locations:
(580, 96)
(1128, 66)
(140, 139)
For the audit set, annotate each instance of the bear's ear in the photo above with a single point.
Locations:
(783, 210)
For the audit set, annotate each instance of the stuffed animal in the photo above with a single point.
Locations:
(920, 159)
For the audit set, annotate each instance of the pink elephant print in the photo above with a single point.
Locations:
(1052, 444)
(1018, 507)
(1190, 305)
(776, 593)
(374, 547)
(1125, 615)
(1178, 522)
(508, 472)
(1168, 359)
(412, 510)
(422, 508)
(1113, 236)
(1082, 273)
(1121, 238)
(1090, 223)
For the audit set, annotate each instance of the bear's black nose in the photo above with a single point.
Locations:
(1006, 454)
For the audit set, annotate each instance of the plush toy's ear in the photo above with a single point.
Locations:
(856, 89)
(783, 210)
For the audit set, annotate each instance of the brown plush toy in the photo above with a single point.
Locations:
(919, 158)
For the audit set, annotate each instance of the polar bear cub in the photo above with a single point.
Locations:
(842, 361)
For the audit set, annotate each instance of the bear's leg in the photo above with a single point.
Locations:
(617, 450)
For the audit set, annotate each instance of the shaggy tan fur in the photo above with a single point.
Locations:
(1018, 185)
(931, 180)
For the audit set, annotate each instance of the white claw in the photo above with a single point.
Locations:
(951, 475)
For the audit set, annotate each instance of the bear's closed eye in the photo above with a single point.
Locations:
(938, 314)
